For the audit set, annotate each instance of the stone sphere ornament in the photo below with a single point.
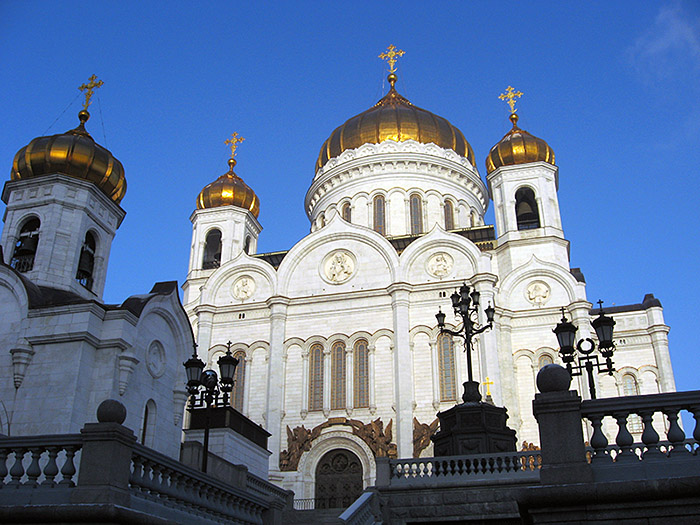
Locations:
(111, 411)
(553, 378)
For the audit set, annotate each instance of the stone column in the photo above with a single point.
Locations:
(509, 386)
(304, 382)
(275, 378)
(246, 385)
(488, 345)
(403, 380)
(371, 349)
(326, 380)
(205, 321)
(349, 381)
(580, 312)
(659, 342)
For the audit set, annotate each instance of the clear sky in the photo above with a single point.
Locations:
(614, 88)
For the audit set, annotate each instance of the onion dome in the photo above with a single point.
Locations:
(76, 154)
(518, 147)
(229, 190)
(394, 118)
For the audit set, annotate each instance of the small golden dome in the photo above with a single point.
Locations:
(394, 118)
(518, 147)
(76, 154)
(229, 190)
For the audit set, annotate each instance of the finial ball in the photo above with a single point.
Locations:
(111, 411)
(553, 378)
(392, 78)
(231, 163)
(84, 116)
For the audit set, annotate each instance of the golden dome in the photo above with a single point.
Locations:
(394, 118)
(229, 190)
(76, 154)
(518, 147)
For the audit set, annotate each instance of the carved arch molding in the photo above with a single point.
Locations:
(378, 439)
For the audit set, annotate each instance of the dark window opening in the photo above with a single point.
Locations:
(86, 263)
(246, 246)
(26, 246)
(347, 212)
(526, 212)
(416, 208)
(379, 215)
(212, 250)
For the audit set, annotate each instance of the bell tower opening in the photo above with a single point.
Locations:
(526, 212)
(338, 479)
(212, 250)
(86, 263)
(25, 248)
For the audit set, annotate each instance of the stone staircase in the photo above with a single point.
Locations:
(313, 517)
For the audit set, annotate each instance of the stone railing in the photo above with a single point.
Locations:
(363, 511)
(478, 468)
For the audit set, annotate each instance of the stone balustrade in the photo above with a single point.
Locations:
(37, 461)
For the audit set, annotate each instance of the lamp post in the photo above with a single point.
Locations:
(588, 361)
(210, 395)
(466, 305)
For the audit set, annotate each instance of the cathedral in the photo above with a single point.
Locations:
(340, 355)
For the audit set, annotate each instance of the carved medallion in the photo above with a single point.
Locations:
(440, 264)
(155, 359)
(538, 293)
(244, 287)
(338, 266)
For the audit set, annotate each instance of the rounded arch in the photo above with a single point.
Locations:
(211, 256)
(535, 268)
(242, 263)
(148, 424)
(527, 213)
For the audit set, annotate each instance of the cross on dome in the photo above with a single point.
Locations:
(233, 143)
(390, 56)
(89, 89)
(509, 96)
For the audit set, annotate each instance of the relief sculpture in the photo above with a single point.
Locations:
(421, 435)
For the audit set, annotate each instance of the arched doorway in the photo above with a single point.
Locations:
(338, 479)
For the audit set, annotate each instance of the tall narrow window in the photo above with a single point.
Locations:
(338, 376)
(246, 246)
(25, 249)
(416, 207)
(449, 216)
(148, 428)
(379, 215)
(86, 263)
(212, 250)
(347, 212)
(631, 388)
(446, 367)
(526, 212)
(316, 377)
(238, 382)
(361, 375)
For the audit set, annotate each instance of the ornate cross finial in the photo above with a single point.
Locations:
(509, 96)
(233, 143)
(89, 88)
(488, 384)
(390, 56)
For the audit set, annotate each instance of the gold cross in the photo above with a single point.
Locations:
(233, 143)
(509, 96)
(488, 384)
(390, 56)
(89, 88)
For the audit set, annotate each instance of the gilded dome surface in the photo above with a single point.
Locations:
(76, 154)
(394, 118)
(229, 190)
(518, 147)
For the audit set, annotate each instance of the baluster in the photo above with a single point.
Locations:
(3, 465)
(675, 435)
(650, 437)
(51, 468)
(156, 482)
(598, 440)
(68, 470)
(695, 410)
(147, 479)
(624, 439)
(17, 470)
(34, 471)
(136, 478)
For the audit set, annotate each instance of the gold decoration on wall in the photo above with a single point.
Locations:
(233, 143)
(390, 55)
(89, 89)
(509, 96)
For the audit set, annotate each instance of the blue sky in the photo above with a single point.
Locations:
(612, 86)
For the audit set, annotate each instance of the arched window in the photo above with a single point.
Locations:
(446, 365)
(630, 387)
(212, 250)
(148, 426)
(246, 246)
(238, 382)
(449, 216)
(25, 248)
(474, 218)
(545, 359)
(338, 376)
(379, 215)
(526, 212)
(316, 377)
(361, 375)
(416, 206)
(86, 263)
(347, 212)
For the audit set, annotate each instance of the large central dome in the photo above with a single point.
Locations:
(394, 118)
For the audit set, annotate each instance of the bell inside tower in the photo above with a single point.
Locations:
(86, 263)
(25, 248)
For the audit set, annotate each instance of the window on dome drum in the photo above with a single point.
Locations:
(446, 366)
(379, 215)
(316, 377)
(238, 382)
(246, 246)
(526, 212)
(86, 263)
(416, 207)
(347, 212)
(630, 387)
(361, 379)
(338, 376)
(545, 359)
(212, 250)
(449, 216)
(25, 248)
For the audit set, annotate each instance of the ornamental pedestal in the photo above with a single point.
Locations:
(473, 427)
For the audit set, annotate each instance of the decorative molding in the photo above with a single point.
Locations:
(127, 363)
(22, 355)
(179, 400)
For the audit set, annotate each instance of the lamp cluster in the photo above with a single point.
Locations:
(198, 377)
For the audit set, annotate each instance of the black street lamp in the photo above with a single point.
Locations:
(198, 377)
(588, 361)
(466, 305)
